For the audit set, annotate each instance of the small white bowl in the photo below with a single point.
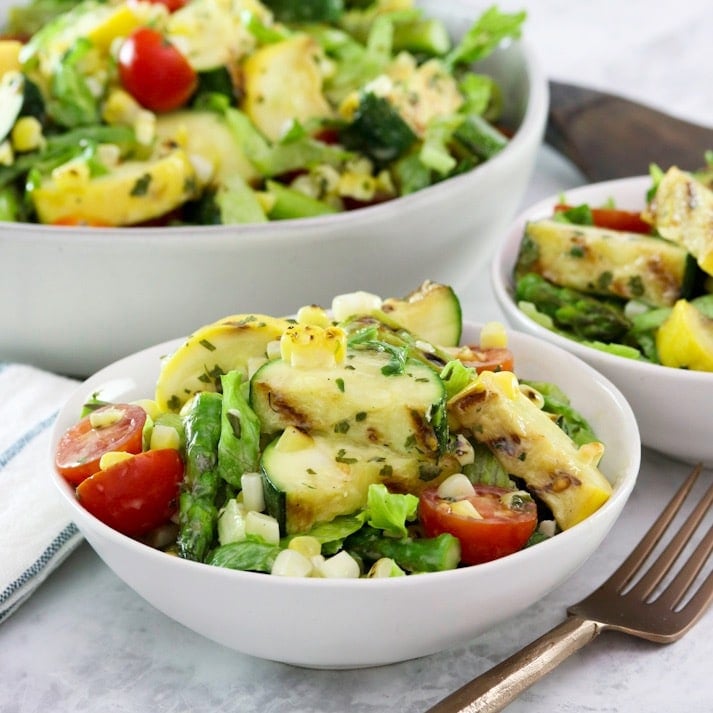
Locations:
(76, 299)
(351, 623)
(672, 406)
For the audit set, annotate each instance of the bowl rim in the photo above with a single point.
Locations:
(532, 124)
(623, 482)
(501, 281)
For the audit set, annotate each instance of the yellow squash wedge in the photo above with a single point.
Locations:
(220, 347)
(685, 339)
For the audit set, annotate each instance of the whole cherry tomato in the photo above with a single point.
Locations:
(154, 72)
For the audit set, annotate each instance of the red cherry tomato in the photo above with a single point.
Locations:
(614, 219)
(489, 359)
(171, 5)
(154, 72)
(80, 448)
(500, 531)
(135, 495)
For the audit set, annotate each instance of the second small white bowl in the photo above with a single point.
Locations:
(672, 406)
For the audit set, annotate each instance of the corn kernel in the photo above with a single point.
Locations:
(465, 508)
(352, 303)
(313, 314)
(306, 545)
(384, 567)
(291, 563)
(112, 458)
(306, 346)
(455, 487)
(493, 335)
(163, 436)
(340, 566)
(27, 135)
(504, 381)
(7, 155)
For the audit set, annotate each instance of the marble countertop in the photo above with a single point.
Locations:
(86, 642)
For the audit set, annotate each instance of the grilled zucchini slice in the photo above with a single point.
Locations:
(313, 478)
(609, 263)
(354, 398)
(432, 313)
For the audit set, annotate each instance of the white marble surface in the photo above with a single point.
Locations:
(85, 642)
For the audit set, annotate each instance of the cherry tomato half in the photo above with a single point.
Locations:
(501, 530)
(80, 448)
(488, 359)
(135, 495)
(615, 219)
(154, 72)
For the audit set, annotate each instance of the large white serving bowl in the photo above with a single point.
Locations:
(76, 299)
(355, 623)
(672, 406)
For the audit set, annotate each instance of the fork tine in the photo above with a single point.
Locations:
(668, 557)
(681, 584)
(626, 571)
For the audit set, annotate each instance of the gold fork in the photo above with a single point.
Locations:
(640, 610)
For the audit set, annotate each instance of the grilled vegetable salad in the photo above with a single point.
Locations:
(127, 112)
(635, 284)
(357, 442)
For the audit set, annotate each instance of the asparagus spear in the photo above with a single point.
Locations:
(587, 317)
(428, 554)
(198, 512)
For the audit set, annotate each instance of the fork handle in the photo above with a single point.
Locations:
(495, 688)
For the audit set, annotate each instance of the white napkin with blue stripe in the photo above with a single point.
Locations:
(36, 533)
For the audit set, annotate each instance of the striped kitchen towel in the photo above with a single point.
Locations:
(36, 533)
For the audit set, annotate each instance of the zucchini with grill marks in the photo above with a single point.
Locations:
(432, 312)
(354, 398)
(312, 478)
(607, 262)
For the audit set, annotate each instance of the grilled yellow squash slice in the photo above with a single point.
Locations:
(531, 446)
(223, 346)
(682, 211)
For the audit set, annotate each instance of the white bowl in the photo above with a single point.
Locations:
(359, 622)
(76, 299)
(672, 406)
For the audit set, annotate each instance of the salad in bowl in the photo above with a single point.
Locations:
(304, 489)
(361, 442)
(170, 112)
(621, 274)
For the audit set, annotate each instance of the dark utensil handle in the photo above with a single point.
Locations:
(607, 136)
